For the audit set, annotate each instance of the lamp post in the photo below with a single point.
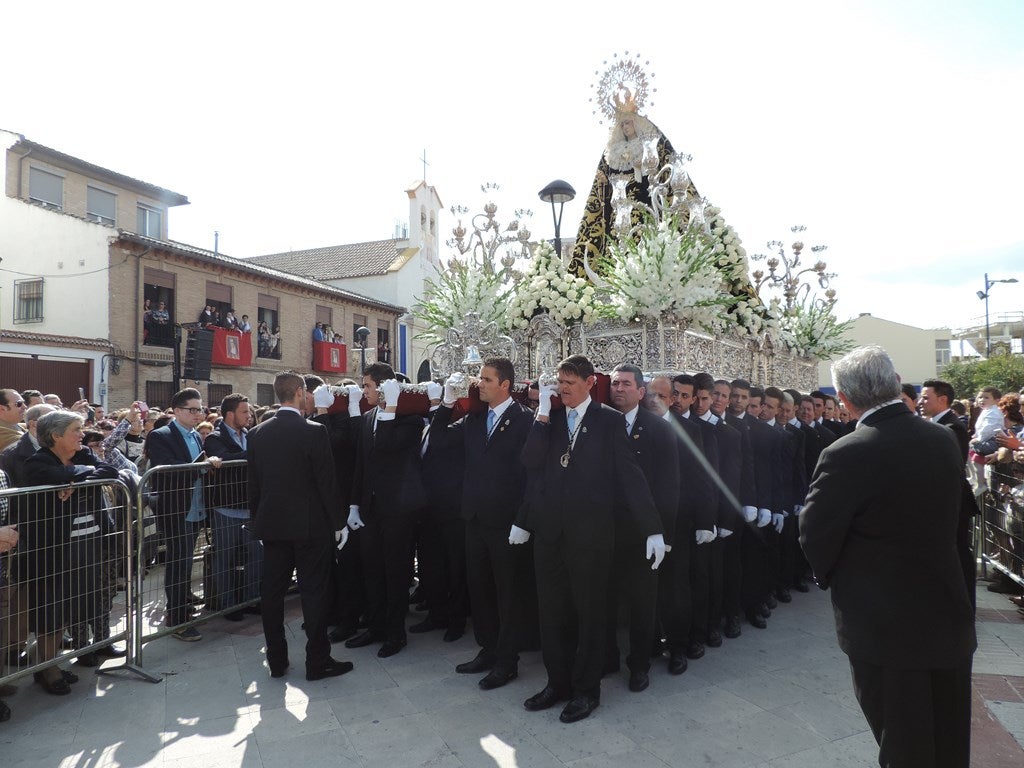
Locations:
(362, 334)
(984, 295)
(560, 192)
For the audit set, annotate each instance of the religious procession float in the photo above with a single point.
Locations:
(655, 277)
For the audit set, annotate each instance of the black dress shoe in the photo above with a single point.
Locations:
(363, 639)
(331, 669)
(638, 681)
(771, 602)
(546, 699)
(479, 664)
(764, 611)
(801, 586)
(278, 670)
(390, 648)
(58, 687)
(454, 632)
(732, 627)
(428, 625)
(110, 652)
(676, 663)
(714, 639)
(255, 610)
(756, 620)
(578, 708)
(88, 660)
(340, 633)
(783, 596)
(497, 678)
(238, 615)
(695, 649)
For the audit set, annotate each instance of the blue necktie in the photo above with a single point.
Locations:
(490, 423)
(572, 423)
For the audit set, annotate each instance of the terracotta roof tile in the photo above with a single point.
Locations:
(337, 262)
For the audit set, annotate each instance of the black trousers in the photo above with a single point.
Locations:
(965, 552)
(634, 585)
(349, 600)
(754, 548)
(732, 570)
(789, 553)
(676, 596)
(180, 541)
(492, 569)
(572, 595)
(312, 560)
(442, 564)
(920, 717)
(385, 545)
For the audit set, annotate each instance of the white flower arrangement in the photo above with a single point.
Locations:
(458, 289)
(663, 270)
(812, 329)
(549, 286)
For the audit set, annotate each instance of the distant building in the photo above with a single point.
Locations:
(1005, 332)
(918, 353)
(391, 270)
(85, 252)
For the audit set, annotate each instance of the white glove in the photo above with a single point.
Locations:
(355, 394)
(777, 521)
(544, 405)
(517, 535)
(390, 389)
(785, 514)
(434, 390)
(724, 533)
(798, 509)
(323, 397)
(449, 390)
(704, 537)
(341, 537)
(764, 516)
(656, 549)
(750, 514)
(355, 522)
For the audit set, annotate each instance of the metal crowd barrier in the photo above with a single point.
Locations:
(1001, 539)
(196, 566)
(68, 584)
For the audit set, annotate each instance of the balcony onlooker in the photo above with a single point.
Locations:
(245, 326)
(275, 343)
(229, 321)
(263, 340)
(318, 332)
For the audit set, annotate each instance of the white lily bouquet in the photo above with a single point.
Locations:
(549, 286)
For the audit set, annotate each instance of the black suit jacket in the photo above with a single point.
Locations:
(730, 470)
(293, 495)
(879, 530)
(343, 431)
(766, 452)
(227, 487)
(602, 482)
(748, 479)
(968, 503)
(814, 444)
(655, 446)
(173, 490)
(698, 497)
(387, 475)
(794, 468)
(494, 480)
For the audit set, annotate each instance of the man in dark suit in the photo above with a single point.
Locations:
(586, 478)
(879, 530)
(180, 505)
(234, 545)
(493, 488)
(633, 582)
(936, 396)
(387, 493)
(293, 500)
(794, 493)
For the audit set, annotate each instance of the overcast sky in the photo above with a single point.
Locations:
(891, 129)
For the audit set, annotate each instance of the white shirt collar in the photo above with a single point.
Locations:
(869, 411)
(501, 408)
(794, 422)
(631, 417)
(939, 416)
(709, 417)
(581, 408)
(289, 408)
(770, 423)
(667, 416)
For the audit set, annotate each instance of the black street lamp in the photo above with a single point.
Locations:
(560, 192)
(984, 295)
(362, 334)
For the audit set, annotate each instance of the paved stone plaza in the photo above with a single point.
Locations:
(780, 697)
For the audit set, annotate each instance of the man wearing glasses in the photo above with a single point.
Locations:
(12, 409)
(180, 507)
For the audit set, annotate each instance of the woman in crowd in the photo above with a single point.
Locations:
(263, 341)
(275, 343)
(61, 540)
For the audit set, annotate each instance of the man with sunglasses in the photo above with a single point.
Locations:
(180, 506)
(12, 409)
